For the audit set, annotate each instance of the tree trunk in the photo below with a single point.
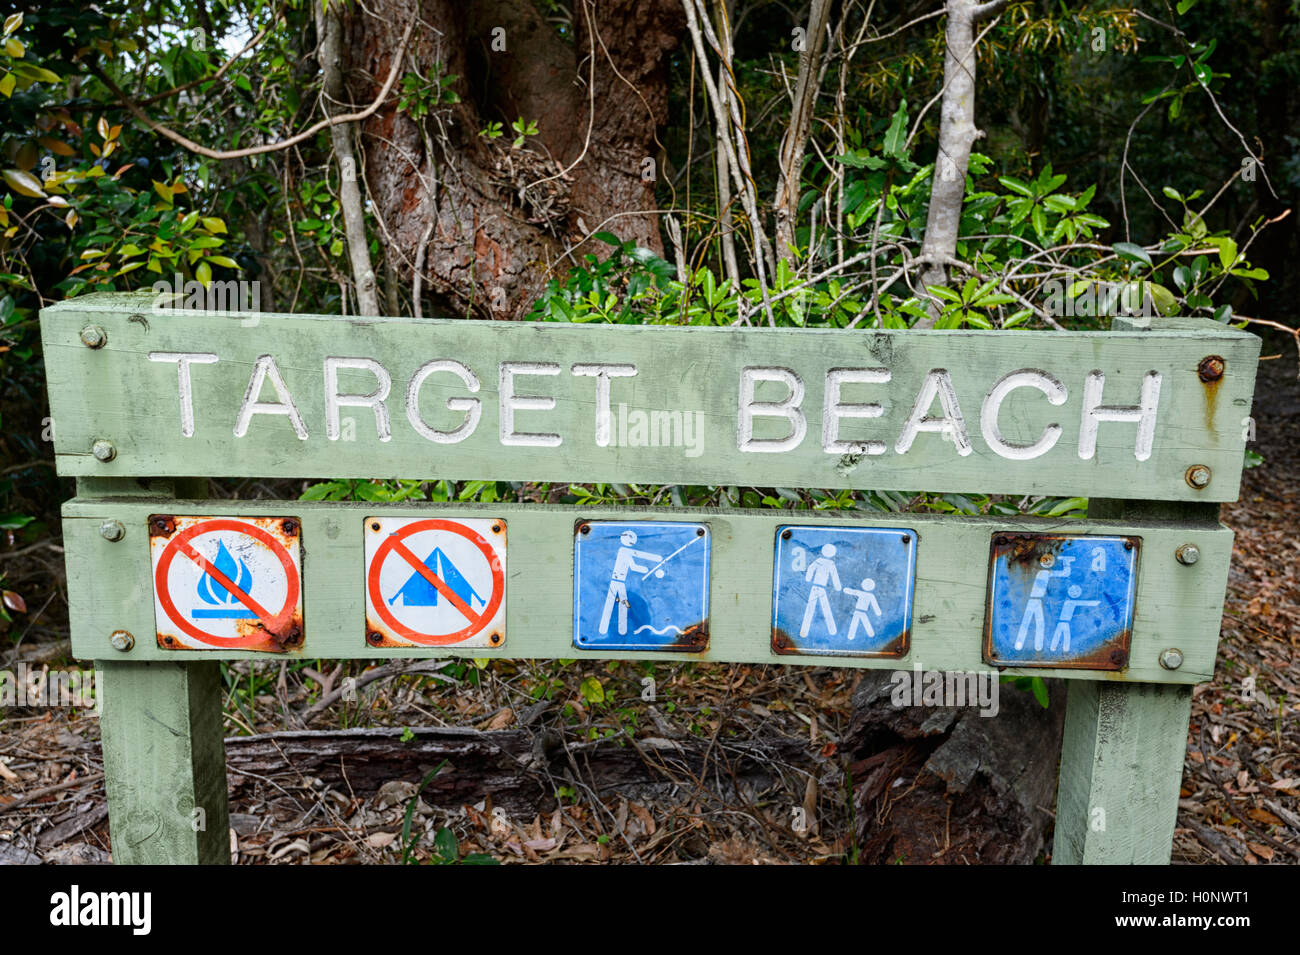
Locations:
(795, 140)
(945, 785)
(364, 285)
(499, 220)
(957, 134)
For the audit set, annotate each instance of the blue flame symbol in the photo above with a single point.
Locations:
(212, 592)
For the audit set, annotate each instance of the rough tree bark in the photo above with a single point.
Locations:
(498, 220)
(957, 134)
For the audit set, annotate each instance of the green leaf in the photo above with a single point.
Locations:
(1015, 185)
(24, 183)
(1132, 252)
(1039, 689)
(592, 690)
(896, 135)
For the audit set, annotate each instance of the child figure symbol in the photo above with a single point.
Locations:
(866, 601)
(1062, 632)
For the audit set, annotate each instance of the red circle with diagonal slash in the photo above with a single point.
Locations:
(391, 544)
(174, 547)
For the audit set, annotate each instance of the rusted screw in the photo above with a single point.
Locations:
(94, 336)
(103, 450)
(121, 640)
(907, 538)
(374, 525)
(168, 640)
(495, 638)
(1188, 554)
(1210, 368)
(112, 531)
(1128, 545)
(585, 528)
(1047, 560)
(496, 528)
(1198, 476)
(290, 526)
(1000, 539)
(787, 534)
(1171, 659)
(699, 532)
(375, 637)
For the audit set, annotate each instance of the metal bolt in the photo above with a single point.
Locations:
(1198, 476)
(112, 531)
(94, 336)
(375, 637)
(1210, 368)
(586, 528)
(103, 450)
(1171, 659)
(1047, 560)
(907, 538)
(122, 640)
(786, 534)
(1188, 554)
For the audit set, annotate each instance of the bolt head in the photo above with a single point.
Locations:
(122, 640)
(1198, 476)
(1188, 554)
(103, 450)
(94, 336)
(1211, 368)
(112, 530)
(1047, 560)
(1171, 659)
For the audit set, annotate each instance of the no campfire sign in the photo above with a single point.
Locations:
(432, 582)
(226, 582)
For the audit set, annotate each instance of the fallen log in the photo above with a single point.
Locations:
(518, 768)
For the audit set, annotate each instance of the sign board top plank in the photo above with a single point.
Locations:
(995, 412)
(1176, 605)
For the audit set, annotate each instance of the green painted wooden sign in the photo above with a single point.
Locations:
(167, 392)
(1148, 422)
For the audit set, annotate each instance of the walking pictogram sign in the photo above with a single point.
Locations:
(435, 582)
(237, 582)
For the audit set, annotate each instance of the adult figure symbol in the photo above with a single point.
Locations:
(820, 573)
(625, 561)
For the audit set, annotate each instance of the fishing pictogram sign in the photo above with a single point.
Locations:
(226, 582)
(435, 582)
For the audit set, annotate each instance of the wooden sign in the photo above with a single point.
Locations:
(174, 392)
(1149, 423)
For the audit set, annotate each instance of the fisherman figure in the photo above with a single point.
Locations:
(820, 572)
(1034, 606)
(625, 561)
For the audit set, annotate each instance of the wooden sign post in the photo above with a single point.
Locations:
(1149, 423)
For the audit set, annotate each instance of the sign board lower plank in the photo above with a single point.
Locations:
(176, 393)
(110, 584)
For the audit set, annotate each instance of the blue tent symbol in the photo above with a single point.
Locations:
(418, 592)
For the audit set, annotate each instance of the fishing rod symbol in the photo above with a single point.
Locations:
(656, 569)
